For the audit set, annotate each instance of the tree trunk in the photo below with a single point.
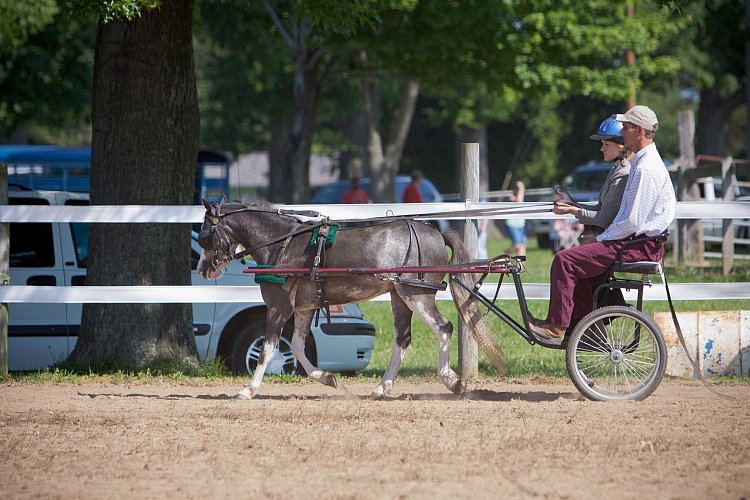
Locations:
(144, 143)
(298, 143)
(385, 161)
(277, 172)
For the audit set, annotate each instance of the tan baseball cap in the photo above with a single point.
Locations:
(639, 115)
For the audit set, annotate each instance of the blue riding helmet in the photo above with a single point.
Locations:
(609, 130)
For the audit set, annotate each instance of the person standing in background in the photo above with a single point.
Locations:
(517, 227)
(355, 194)
(411, 193)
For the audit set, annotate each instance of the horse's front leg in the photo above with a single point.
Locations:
(275, 322)
(401, 340)
(302, 320)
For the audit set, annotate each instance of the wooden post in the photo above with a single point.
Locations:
(690, 231)
(4, 276)
(727, 225)
(468, 359)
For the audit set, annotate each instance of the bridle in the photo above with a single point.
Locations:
(212, 240)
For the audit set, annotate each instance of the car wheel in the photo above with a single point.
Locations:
(248, 346)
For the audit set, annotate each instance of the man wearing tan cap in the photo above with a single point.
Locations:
(647, 209)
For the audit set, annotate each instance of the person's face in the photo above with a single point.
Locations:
(630, 132)
(610, 150)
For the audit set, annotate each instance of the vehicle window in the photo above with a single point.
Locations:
(585, 181)
(31, 244)
(80, 233)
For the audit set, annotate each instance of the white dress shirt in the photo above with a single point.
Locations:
(648, 203)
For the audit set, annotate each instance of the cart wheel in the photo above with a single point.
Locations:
(616, 353)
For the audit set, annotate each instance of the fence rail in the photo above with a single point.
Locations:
(197, 294)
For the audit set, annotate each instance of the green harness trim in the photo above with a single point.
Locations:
(268, 278)
(332, 230)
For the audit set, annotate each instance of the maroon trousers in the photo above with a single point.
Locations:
(571, 296)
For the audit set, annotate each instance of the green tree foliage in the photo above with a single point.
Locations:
(46, 63)
(711, 51)
(488, 61)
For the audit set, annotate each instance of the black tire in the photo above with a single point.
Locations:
(616, 353)
(248, 345)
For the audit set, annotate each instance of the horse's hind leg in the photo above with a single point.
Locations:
(401, 340)
(426, 308)
(302, 320)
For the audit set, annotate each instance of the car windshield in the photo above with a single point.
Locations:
(585, 180)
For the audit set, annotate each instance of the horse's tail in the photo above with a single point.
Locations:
(468, 306)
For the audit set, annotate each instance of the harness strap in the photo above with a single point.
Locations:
(288, 236)
(283, 247)
(693, 363)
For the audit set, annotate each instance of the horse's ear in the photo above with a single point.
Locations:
(223, 199)
(206, 204)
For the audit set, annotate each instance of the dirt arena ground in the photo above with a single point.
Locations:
(507, 439)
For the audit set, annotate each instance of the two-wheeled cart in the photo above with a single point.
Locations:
(615, 353)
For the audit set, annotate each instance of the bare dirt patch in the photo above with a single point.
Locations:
(501, 439)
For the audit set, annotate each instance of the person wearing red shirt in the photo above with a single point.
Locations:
(411, 193)
(355, 194)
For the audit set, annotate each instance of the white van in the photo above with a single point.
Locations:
(41, 335)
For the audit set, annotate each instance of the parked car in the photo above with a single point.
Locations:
(55, 255)
(331, 193)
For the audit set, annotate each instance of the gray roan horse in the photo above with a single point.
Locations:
(283, 241)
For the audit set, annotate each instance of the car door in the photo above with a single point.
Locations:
(37, 333)
(203, 313)
(74, 242)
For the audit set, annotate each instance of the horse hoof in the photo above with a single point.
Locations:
(457, 387)
(328, 379)
(382, 391)
(245, 394)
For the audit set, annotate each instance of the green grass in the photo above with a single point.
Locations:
(522, 359)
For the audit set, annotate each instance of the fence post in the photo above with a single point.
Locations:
(468, 359)
(690, 231)
(4, 276)
(727, 225)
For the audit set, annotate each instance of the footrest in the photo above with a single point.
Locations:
(644, 267)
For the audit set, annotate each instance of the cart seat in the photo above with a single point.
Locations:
(642, 267)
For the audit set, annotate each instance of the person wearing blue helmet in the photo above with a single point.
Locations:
(647, 209)
(597, 217)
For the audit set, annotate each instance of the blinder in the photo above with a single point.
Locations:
(207, 238)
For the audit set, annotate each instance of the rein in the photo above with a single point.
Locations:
(468, 214)
(214, 220)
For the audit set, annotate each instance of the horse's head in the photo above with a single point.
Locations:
(216, 241)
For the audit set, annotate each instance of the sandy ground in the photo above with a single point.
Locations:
(502, 439)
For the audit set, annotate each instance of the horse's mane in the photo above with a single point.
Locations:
(266, 205)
